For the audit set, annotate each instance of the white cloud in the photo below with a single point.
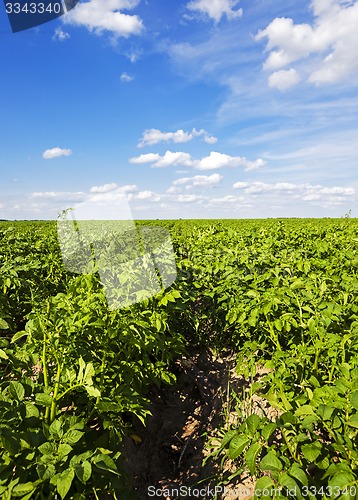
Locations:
(129, 188)
(154, 136)
(293, 41)
(305, 192)
(332, 38)
(210, 139)
(168, 159)
(216, 9)
(172, 190)
(338, 190)
(60, 196)
(240, 185)
(256, 199)
(224, 199)
(311, 197)
(105, 188)
(49, 154)
(146, 158)
(108, 197)
(111, 205)
(46, 194)
(200, 180)
(106, 15)
(211, 162)
(111, 192)
(187, 198)
(101, 200)
(145, 195)
(221, 160)
(133, 56)
(126, 78)
(173, 158)
(60, 35)
(284, 79)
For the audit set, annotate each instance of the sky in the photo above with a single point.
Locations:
(182, 109)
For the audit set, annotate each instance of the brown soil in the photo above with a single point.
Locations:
(173, 447)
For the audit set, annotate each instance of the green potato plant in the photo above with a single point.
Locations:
(75, 375)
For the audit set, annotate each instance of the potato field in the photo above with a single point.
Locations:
(78, 378)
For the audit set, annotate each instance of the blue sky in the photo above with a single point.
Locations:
(182, 109)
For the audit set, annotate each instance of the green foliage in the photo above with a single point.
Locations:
(278, 293)
(63, 459)
(61, 427)
(284, 294)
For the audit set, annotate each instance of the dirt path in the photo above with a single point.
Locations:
(172, 450)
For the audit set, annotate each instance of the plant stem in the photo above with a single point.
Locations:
(44, 368)
(63, 394)
(331, 371)
(301, 318)
(55, 393)
(273, 336)
(44, 364)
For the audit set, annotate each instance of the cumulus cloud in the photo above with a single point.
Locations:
(200, 180)
(49, 154)
(173, 158)
(126, 78)
(145, 195)
(284, 79)
(209, 139)
(332, 38)
(106, 15)
(61, 36)
(240, 185)
(305, 192)
(146, 158)
(154, 136)
(213, 161)
(168, 159)
(216, 9)
(221, 160)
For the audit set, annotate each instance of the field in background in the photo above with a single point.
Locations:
(278, 295)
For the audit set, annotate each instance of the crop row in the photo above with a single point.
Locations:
(76, 374)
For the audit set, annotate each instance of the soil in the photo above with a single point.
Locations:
(167, 455)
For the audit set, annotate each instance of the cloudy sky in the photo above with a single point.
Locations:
(182, 109)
